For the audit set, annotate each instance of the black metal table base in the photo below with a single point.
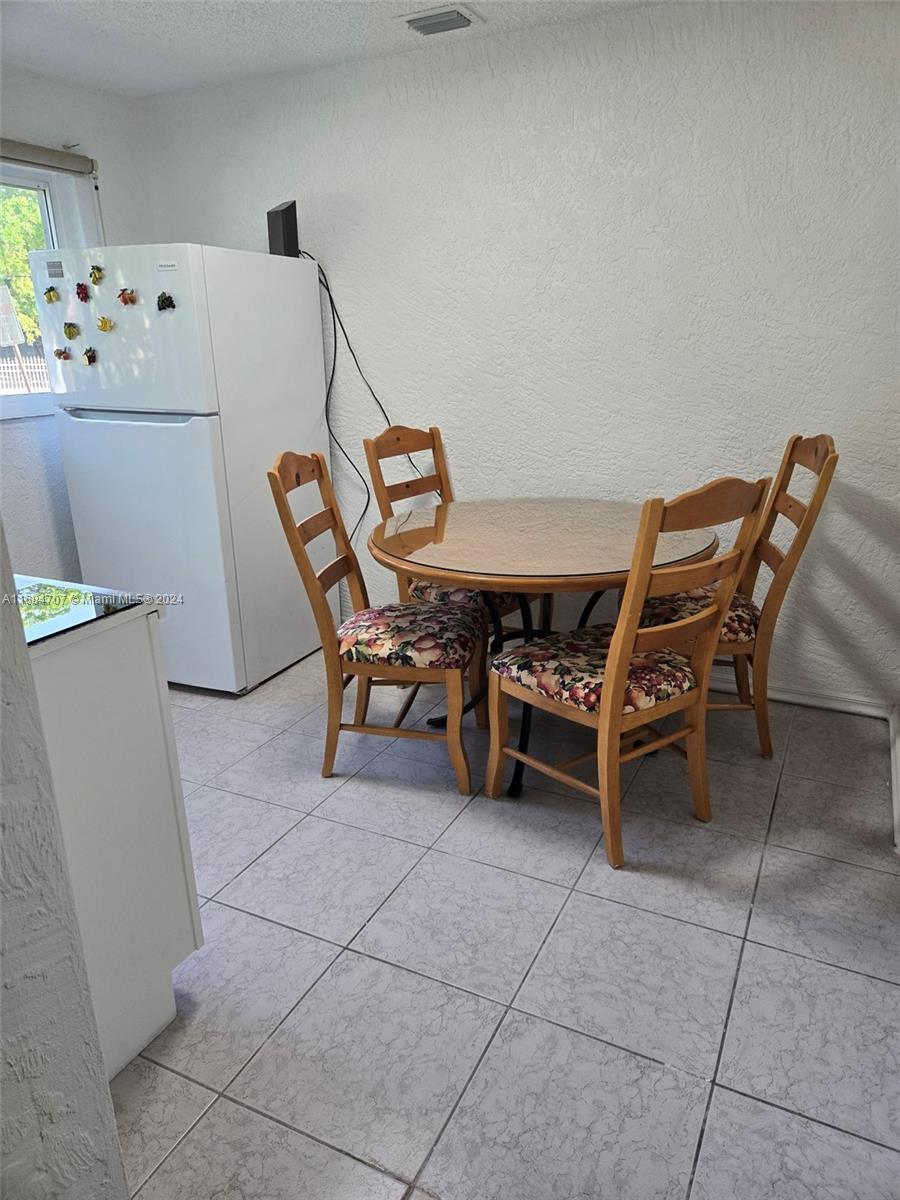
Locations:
(588, 609)
(515, 784)
(497, 641)
(528, 632)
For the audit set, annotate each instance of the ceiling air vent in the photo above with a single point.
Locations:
(439, 20)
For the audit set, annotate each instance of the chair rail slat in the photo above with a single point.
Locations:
(337, 569)
(675, 633)
(413, 487)
(666, 580)
(769, 553)
(318, 523)
(789, 506)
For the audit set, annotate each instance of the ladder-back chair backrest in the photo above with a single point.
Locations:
(815, 454)
(292, 471)
(718, 503)
(397, 441)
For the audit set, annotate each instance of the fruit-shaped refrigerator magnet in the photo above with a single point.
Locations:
(51, 295)
(64, 354)
(96, 274)
(164, 301)
(89, 357)
(128, 296)
(71, 330)
(105, 324)
(83, 292)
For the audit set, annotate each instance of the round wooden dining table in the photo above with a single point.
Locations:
(532, 546)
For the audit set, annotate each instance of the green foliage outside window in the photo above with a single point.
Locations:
(21, 230)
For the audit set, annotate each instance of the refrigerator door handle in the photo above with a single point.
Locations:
(134, 418)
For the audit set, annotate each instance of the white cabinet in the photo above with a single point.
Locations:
(104, 704)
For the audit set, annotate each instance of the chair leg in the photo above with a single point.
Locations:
(610, 806)
(498, 709)
(363, 690)
(761, 703)
(742, 678)
(455, 745)
(695, 744)
(332, 732)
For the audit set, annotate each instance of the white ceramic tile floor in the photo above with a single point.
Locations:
(515, 1021)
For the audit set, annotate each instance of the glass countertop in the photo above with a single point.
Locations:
(51, 606)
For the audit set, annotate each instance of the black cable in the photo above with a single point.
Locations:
(336, 323)
(332, 435)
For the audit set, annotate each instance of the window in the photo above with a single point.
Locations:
(39, 209)
(25, 224)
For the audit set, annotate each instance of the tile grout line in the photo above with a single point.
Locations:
(830, 858)
(858, 1137)
(279, 924)
(418, 1174)
(821, 962)
(507, 1009)
(315, 1138)
(737, 972)
(220, 1092)
(652, 912)
(193, 1125)
(301, 817)
(223, 1093)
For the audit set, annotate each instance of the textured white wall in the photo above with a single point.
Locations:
(34, 500)
(613, 258)
(33, 496)
(59, 1133)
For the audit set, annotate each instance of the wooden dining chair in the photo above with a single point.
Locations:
(395, 644)
(617, 679)
(748, 631)
(401, 441)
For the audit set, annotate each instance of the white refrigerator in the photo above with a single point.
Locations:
(180, 373)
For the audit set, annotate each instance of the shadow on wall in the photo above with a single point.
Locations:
(878, 523)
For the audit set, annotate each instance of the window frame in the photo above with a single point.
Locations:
(71, 219)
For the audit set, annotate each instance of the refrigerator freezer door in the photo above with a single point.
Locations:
(150, 360)
(150, 513)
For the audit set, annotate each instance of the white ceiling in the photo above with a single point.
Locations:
(142, 47)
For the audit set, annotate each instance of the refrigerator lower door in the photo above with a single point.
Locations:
(150, 510)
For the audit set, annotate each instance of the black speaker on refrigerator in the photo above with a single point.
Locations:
(284, 231)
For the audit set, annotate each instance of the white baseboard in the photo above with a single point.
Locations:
(723, 681)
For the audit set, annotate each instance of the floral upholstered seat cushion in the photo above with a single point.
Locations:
(740, 625)
(441, 593)
(442, 636)
(569, 667)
